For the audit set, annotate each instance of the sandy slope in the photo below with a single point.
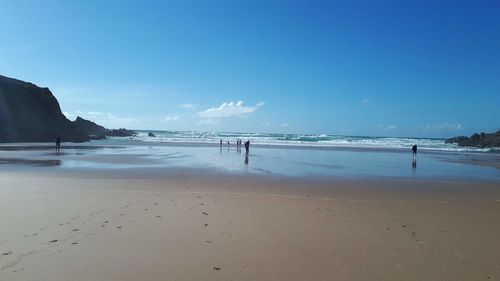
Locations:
(76, 228)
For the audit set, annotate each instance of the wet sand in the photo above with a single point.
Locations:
(72, 226)
(291, 162)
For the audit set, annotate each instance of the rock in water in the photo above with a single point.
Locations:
(477, 140)
(151, 135)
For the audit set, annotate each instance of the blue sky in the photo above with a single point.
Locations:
(387, 68)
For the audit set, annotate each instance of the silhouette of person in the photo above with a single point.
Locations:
(220, 142)
(414, 150)
(247, 146)
(58, 144)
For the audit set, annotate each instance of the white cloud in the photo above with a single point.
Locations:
(188, 106)
(444, 127)
(228, 109)
(267, 124)
(283, 125)
(391, 127)
(365, 101)
(170, 118)
(69, 115)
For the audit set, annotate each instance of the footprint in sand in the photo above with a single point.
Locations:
(205, 213)
(76, 229)
(53, 241)
(216, 268)
(7, 253)
(74, 243)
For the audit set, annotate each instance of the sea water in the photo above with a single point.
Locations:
(321, 140)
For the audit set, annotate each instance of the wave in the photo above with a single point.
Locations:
(321, 140)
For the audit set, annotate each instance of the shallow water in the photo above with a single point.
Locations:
(295, 162)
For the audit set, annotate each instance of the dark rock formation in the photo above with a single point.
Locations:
(151, 135)
(89, 127)
(29, 113)
(477, 140)
(120, 133)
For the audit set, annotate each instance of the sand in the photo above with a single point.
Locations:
(67, 227)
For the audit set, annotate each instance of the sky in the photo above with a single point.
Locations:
(422, 68)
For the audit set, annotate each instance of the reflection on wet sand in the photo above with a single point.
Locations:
(21, 161)
(276, 161)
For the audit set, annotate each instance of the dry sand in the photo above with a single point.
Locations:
(189, 228)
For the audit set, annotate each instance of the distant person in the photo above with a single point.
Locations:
(221, 143)
(58, 144)
(247, 146)
(414, 150)
(228, 144)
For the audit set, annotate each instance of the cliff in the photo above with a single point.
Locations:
(29, 113)
(477, 140)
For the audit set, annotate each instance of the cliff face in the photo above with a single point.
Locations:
(478, 140)
(29, 113)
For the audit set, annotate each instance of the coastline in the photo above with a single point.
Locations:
(280, 161)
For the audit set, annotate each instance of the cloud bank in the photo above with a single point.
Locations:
(188, 106)
(227, 110)
(106, 119)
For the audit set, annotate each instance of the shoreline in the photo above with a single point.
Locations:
(152, 161)
(126, 142)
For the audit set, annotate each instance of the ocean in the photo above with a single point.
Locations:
(301, 140)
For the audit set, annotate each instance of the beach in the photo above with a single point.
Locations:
(249, 141)
(97, 220)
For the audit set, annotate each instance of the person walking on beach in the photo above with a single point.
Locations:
(221, 143)
(414, 150)
(58, 144)
(247, 146)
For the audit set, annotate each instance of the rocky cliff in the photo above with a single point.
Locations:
(29, 113)
(477, 140)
